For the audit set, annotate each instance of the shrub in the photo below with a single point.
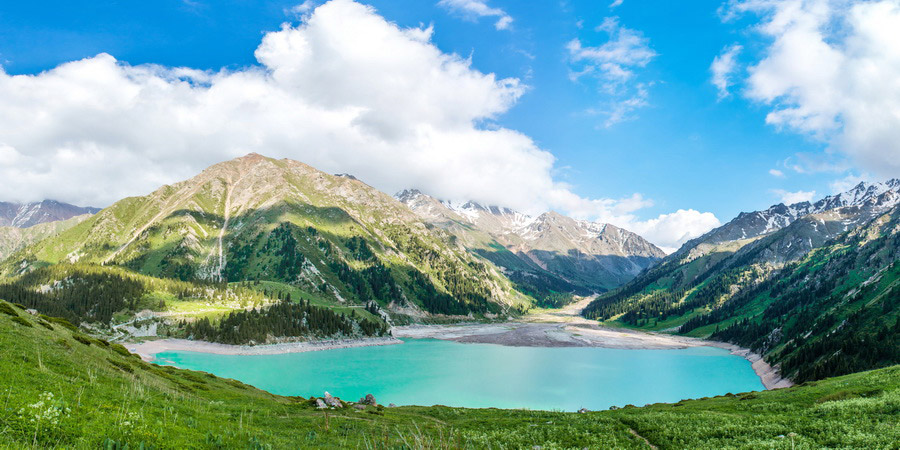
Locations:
(118, 348)
(82, 338)
(121, 365)
(60, 321)
(6, 309)
(19, 320)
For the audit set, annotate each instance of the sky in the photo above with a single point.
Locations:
(666, 118)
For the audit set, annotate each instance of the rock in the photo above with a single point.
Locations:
(333, 402)
(392, 405)
(360, 407)
(368, 400)
(583, 411)
(320, 404)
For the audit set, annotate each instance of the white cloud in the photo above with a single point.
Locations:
(613, 64)
(776, 173)
(848, 182)
(301, 10)
(474, 9)
(623, 110)
(345, 91)
(615, 3)
(789, 198)
(673, 230)
(830, 70)
(722, 68)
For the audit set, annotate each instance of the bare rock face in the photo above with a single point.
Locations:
(320, 404)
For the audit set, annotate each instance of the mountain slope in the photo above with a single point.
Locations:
(29, 214)
(13, 239)
(256, 218)
(64, 389)
(785, 282)
(551, 250)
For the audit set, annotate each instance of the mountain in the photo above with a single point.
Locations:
(24, 215)
(796, 283)
(13, 239)
(259, 219)
(549, 250)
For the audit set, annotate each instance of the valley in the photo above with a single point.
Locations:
(257, 268)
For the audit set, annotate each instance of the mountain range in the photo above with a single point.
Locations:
(24, 215)
(543, 254)
(811, 286)
(256, 218)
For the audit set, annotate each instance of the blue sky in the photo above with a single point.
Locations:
(685, 147)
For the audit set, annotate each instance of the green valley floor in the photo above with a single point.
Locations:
(62, 389)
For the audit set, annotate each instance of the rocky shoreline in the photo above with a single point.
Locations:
(149, 349)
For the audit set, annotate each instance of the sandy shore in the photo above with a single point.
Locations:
(148, 350)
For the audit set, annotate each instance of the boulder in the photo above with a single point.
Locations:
(333, 402)
(369, 399)
(392, 405)
(320, 404)
(583, 411)
(359, 406)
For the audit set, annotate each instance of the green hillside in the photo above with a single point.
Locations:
(832, 312)
(256, 219)
(63, 389)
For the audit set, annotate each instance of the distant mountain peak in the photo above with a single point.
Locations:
(859, 204)
(24, 215)
(590, 254)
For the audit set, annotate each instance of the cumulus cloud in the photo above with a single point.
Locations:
(613, 64)
(722, 68)
(789, 198)
(674, 229)
(474, 9)
(344, 91)
(829, 70)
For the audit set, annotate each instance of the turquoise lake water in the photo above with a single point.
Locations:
(435, 372)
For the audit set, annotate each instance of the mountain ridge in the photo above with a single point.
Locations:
(24, 215)
(590, 256)
(754, 282)
(255, 218)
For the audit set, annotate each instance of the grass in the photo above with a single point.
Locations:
(59, 392)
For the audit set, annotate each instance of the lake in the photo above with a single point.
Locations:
(437, 372)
